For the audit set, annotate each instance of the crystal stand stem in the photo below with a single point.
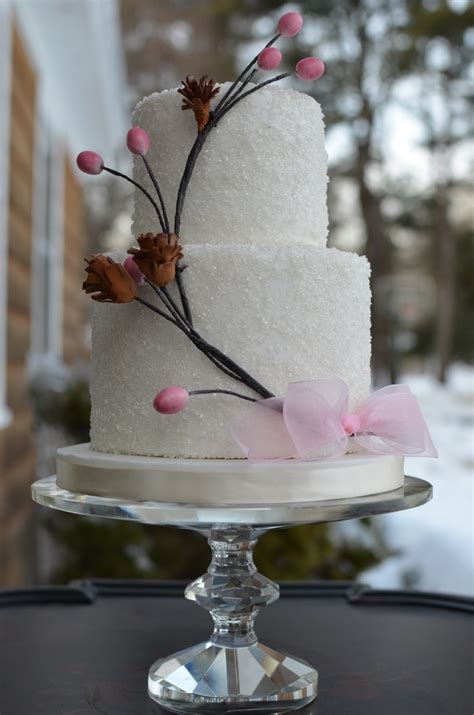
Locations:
(232, 671)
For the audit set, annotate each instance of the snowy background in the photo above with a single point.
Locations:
(436, 541)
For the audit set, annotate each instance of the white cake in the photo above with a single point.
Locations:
(262, 284)
(260, 179)
(264, 289)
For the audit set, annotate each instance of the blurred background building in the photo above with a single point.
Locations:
(61, 86)
(398, 112)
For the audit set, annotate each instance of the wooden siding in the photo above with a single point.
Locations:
(75, 244)
(18, 528)
(17, 457)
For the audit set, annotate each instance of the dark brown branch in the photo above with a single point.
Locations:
(215, 117)
(243, 73)
(183, 296)
(157, 310)
(231, 104)
(154, 180)
(164, 296)
(230, 364)
(201, 138)
(171, 320)
(174, 305)
(222, 392)
(224, 369)
(180, 322)
(219, 358)
(187, 173)
(240, 89)
(225, 104)
(142, 189)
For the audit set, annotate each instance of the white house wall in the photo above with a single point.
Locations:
(76, 47)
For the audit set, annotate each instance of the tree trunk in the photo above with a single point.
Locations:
(445, 239)
(446, 284)
(379, 255)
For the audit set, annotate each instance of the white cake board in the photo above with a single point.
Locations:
(81, 469)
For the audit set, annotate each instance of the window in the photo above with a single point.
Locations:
(47, 276)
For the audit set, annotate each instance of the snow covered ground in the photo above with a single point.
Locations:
(436, 541)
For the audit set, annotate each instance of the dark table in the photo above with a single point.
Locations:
(86, 648)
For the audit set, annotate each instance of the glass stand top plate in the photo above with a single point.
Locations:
(413, 493)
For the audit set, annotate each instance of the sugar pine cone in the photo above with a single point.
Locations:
(157, 257)
(108, 281)
(197, 96)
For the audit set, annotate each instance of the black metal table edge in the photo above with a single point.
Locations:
(87, 592)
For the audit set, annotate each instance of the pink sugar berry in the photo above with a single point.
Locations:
(89, 162)
(171, 400)
(310, 68)
(351, 424)
(138, 141)
(269, 58)
(290, 24)
(134, 271)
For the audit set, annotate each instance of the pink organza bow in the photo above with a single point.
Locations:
(312, 420)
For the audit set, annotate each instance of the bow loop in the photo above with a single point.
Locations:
(313, 412)
(392, 423)
(311, 421)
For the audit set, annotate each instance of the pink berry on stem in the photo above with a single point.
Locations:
(269, 58)
(171, 400)
(138, 141)
(310, 68)
(89, 162)
(134, 271)
(290, 24)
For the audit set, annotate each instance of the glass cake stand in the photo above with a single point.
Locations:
(232, 672)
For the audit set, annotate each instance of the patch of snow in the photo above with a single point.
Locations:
(436, 541)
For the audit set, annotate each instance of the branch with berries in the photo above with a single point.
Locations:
(156, 260)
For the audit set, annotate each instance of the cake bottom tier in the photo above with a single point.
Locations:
(82, 470)
(283, 316)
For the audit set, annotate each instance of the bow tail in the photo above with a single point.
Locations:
(261, 433)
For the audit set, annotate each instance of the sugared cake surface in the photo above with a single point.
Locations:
(286, 314)
(263, 287)
(260, 178)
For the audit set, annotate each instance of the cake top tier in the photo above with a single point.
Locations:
(260, 178)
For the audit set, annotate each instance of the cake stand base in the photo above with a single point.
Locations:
(212, 678)
(232, 672)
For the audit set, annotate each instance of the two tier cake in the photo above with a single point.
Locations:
(231, 348)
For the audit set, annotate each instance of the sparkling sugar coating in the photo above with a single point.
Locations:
(285, 315)
(261, 177)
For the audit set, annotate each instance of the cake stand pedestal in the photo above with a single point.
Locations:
(232, 672)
